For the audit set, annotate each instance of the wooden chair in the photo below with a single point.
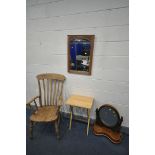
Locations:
(50, 100)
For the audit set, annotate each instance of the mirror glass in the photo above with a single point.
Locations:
(80, 55)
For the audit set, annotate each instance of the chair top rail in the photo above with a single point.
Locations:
(51, 76)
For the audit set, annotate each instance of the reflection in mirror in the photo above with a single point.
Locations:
(80, 50)
(80, 54)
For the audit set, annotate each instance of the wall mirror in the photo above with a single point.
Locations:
(80, 54)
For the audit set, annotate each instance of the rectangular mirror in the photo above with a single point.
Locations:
(80, 53)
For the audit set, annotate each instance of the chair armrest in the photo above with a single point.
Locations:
(32, 100)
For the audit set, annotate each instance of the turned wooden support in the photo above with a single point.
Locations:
(57, 129)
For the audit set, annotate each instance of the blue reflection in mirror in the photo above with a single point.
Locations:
(80, 54)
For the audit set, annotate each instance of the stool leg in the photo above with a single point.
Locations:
(88, 113)
(71, 113)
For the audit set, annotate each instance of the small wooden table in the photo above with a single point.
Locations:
(81, 102)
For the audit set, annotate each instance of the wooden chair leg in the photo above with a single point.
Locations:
(57, 129)
(59, 118)
(31, 129)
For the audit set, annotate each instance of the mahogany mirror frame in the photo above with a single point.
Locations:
(89, 38)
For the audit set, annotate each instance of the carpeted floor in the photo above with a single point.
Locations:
(72, 142)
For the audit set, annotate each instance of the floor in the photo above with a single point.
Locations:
(72, 142)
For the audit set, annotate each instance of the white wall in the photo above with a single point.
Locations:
(48, 24)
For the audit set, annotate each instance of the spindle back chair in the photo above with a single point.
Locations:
(50, 100)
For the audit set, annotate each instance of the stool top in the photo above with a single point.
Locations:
(80, 101)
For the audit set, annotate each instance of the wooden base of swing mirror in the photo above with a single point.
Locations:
(113, 136)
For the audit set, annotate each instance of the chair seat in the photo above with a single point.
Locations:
(45, 114)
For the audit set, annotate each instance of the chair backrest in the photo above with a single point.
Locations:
(50, 88)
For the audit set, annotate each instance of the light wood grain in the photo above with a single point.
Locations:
(49, 99)
(51, 76)
(45, 114)
(80, 101)
(49, 88)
